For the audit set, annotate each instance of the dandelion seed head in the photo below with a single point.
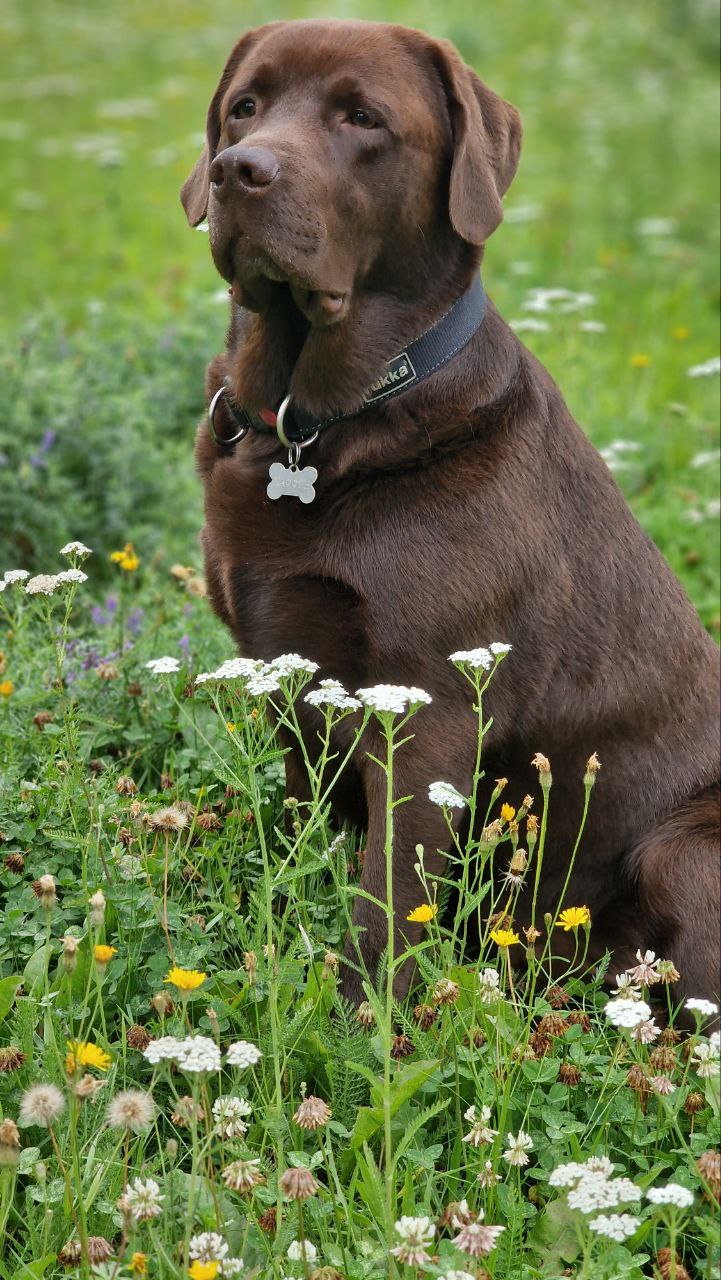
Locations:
(41, 1105)
(131, 1109)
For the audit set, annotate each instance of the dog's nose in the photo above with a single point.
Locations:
(243, 168)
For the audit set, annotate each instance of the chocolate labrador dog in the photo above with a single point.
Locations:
(391, 476)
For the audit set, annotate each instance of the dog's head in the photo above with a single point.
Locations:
(347, 155)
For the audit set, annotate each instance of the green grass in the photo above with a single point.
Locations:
(110, 310)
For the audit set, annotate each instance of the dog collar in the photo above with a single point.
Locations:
(421, 358)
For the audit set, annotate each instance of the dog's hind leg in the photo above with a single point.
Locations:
(676, 870)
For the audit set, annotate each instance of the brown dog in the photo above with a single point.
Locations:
(351, 176)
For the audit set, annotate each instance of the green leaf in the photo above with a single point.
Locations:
(34, 971)
(8, 991)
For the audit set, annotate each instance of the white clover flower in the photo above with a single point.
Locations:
(198, 1053)
(489, 988)
(673, 1193)
(487, 1177)
(443, 793)
(515, 1153)
(75, 549)
(43, 584)
(656, 226)
(230, 1114)
(478, 659)
(15, 575)
(164, 1049)
(626, 989)
(705, 1059)
(232, 1266)
(646, 1032)
(615, 1226)
(706, 370)
(289, 664)
(163, 666)
(395, 698)
(209, 1246)
(457, 1275)
(479, 1132)
(527, 324)
(593, 326)
(561, 300)
(301, 1251)
(706, 458)
(627, 1013)
(705, 1008)
(416, 1236)
(71, 575)
(142, 1199)
(645, 971)
(243, 1054)
(330, 693)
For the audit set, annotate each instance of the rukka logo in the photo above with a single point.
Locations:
(400, 374)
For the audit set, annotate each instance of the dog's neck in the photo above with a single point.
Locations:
(328, 369)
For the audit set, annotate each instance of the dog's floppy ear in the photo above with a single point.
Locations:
(194, 191)
(486, 145)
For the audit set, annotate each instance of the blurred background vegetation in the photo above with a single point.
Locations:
(111, 306)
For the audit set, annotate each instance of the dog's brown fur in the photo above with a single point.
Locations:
(472, 508)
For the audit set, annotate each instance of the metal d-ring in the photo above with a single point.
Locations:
(284, 439)
(240, 433)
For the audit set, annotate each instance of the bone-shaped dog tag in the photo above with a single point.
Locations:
(292, 482)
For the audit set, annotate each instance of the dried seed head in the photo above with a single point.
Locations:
(166, 782)
(425, 1015)
(99, 1250)
(163, 1004)
(709, 1167)
(187, 1112)
(125, 837)
(208, 821)
(527, 803)
(577, 1018)
(445, 992)
(557, 997)
(330, 966)
(694, 1103)
(539, 1044)
(243, 1176)
(669, 1036)
(107, 671)
(365, 1014)
(267, 1221)
(136, 1037)
(670, 1266)
(11, 1058)
(543, 764)
(125, 786)
(297, 1184)
(312, 1113)
(531, 934)
(15, 863)
(553, 1024)
(170, 818)
(70, 952)
(97, 909)
(569, 1074)
(402, 1046)
(667, 971)
(45, 892)
(638, 1081)
(41, 718)
(87, 1088)
(593, 764)
(250, 964)
(518, 862)
(9, 1144)
(325, 1273)
(475, 1037)
(662, 1059)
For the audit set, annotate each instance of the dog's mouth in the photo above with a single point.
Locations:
(260, 281)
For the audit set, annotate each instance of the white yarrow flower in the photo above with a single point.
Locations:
(164, 1049)
(627, 1013)
(706, 1008)
(289, 664)
(71, 575)
(330, 693)
(706, 370)
(243, 1054)
(163, 666)
(478, 659)
(43, 584)
(443, 793)
(615, 1226)
(395, 698)
(15, 575)
(673, 1193)
(197, 1054)
(75, 549)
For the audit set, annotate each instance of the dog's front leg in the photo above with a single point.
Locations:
(415, 821)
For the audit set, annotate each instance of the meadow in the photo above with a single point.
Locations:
(183, 1091)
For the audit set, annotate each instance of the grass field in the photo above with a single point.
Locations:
(165, 798)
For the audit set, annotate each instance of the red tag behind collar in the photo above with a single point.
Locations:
(268, 417)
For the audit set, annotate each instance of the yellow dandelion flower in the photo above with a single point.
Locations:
(139, 1264)
(203, 1270)
(508, 812)
(186, 979)
(640, 361)
(230, 726)
(504, 937)
(6, 688)
(681, 333)
(422, 914)
(83, 1053)
(103, 954)
(572, 917)
(126, 559)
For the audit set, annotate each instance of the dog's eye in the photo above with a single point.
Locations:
(243, 109)
(362, 119)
